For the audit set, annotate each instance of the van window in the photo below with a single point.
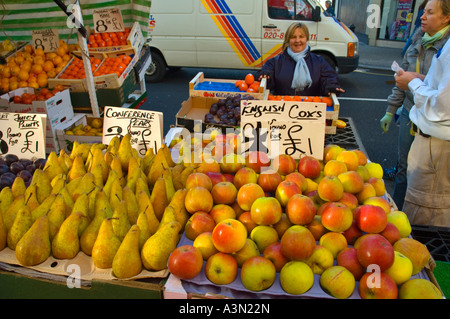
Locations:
(290, 9)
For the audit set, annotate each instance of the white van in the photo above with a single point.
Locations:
(237, 34)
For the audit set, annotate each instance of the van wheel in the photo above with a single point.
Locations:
(157, 69)
(329, 59)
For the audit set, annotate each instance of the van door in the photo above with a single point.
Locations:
(277, 16)
(228, 34)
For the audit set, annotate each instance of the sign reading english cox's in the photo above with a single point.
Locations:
(144, 127)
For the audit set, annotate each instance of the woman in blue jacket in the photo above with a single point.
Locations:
(298, 71)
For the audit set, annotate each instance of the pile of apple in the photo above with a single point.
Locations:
(300, 221)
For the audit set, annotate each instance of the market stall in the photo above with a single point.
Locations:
(249, 195)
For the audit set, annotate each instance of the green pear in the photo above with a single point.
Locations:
(124, 152)
(105, 246)
(144, 228)
(116, 193)
(159, 164)
(142, 185)
(127, 261)
(152, 220)
(65, 165)
(18, 187)
(120, 221)
(10, 214)
(97, 171)
(56, 215)
(158, 198)
(102, 203)
(31, 199)
(108, 157)
(21, 224)
(116, 166)
(132, 177)
(170, 188)
(58, 183)
(111, 178)
(52, 166)
(168, 216)
(3, 233)
(159, 246)
(143, 199)
(177, 202)
(81, 205)
(43, 186)
(34, 247)
(67, 200)
(147, 161)
(6, 198)
(98, 159)
(66, 243)
(77, 170)
(132, 206)
(80, 149)
(86, 185)
(89, 235)
(113, 145)
(92, 200)
(73, 185)
(43, 208)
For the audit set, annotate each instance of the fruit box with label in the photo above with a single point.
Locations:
(135, 40)
(221, 88)
(65, 140)
(57, 108)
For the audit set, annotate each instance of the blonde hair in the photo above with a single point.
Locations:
(290, 31)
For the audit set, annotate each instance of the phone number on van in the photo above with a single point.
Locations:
(273, 34)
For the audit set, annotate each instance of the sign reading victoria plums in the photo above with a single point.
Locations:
(22, 134)
(145, 127)
(283, 127)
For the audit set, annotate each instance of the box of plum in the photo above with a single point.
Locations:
(12, 166)
(210, 112)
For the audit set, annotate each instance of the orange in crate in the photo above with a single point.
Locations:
(107, 39)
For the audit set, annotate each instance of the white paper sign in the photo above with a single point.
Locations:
(47, 40)
(283, 127)
(144, 127)
(22, 134)
(108, 20)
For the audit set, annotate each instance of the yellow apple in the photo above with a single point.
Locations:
(296, 277)
(375, 170)
(321, 259)
(250, 249)
(334, 242)
(263, 236)
(419, 289)
(401, 270)
(401, 221)
(338, 282)
(204, 243)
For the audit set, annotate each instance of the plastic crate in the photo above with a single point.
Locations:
(437, 240)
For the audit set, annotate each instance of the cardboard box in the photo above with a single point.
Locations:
(135, 41)
(65, 141)
(199, 79)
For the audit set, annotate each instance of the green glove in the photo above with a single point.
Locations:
(386, 121)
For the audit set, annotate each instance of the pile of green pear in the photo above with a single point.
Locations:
(124, 210)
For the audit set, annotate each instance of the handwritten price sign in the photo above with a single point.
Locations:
(283, 127)
(108, 20)
(144, 127)
(22, 134)
(47, 40)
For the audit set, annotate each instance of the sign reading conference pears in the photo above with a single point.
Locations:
(283, 127)
(144, 127)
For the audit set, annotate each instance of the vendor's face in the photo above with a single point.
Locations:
(433, 18)
(298, 40)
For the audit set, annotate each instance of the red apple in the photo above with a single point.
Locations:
(377, 286)
(229, 235)
(244, 176)
(352, 233)
(349, 200)
(348, 258)
(221, 212)
(247, 194)
(330, 188)
(299, 179)
(370, 219)
(246, 219)
(300, 209)
(316, 228)
(198, 199)
(285, 190)
(309, 167)
(266, 211)
(185, 262)
(224, 193)
(375, 250)
(257, 160)
(198, 179)
(391, 233)
(274, 254)
(269, 180)
(198, 223)
(284, 164)
(215, 177)
(337, 217)
(297, 243)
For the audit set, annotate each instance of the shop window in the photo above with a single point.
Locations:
(396, 19)
(290, 10)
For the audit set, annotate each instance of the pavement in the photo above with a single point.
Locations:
(375, 57)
